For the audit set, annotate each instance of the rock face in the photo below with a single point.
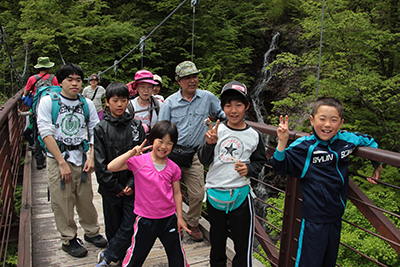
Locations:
(279, 81)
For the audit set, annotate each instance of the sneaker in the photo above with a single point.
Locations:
(98, 240)
(196, 234)
(31, 148)
(102, 260)
(75, 248)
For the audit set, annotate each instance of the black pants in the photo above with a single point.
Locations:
(318, 244)
(241, 223)
(118, 219)
(145, 233)
(40, 153)
(28, 134)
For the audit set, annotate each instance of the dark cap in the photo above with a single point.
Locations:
(235, 85)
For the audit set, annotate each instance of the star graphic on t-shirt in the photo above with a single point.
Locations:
(230, 149)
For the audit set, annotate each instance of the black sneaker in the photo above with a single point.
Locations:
(98, 240)
(75, 248)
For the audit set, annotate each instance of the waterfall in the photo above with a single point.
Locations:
(266, 76)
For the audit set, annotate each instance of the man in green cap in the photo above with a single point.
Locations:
(43, 78)
(43, 65)
(188, 108)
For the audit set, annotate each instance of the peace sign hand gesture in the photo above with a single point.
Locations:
(138, 150)
(283, 129)
(212, 133)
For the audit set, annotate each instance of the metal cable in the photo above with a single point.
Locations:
(320, 46)
(140, 43)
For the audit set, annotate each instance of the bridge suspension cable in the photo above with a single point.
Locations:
(193, 3)
(59, 51)
(320, 46)
(19, 77)
(144, 39)
(26, 61)
(4, 67)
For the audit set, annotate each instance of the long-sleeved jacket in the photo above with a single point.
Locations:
(233, 145)
(112, 138)
(323, 169)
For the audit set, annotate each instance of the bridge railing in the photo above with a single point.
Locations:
(11, 152)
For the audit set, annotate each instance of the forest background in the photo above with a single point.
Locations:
(360, 61)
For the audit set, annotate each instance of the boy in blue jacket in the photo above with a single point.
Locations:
(321, 162)
(114, 136)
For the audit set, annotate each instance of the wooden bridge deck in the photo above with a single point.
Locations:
(46, 245)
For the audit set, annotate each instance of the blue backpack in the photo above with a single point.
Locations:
(54, 92)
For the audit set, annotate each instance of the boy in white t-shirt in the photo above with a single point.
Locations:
(67, 166)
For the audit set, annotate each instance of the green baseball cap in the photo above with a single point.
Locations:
(43, 62)
(185, 68)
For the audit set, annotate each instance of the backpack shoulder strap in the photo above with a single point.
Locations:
(55, 103)
(85, 107)
(51, 78)
(157, 104)
(131, 108)
(55, 109)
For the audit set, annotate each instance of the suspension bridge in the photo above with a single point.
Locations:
(33, 226)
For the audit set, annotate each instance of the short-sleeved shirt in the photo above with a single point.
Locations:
(154, 197)
(189, 116)
(30, 84)
(88, 92)
(70, 126)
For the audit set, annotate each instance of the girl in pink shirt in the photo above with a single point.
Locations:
(158, 199)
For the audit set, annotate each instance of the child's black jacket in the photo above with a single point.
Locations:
(112, 138)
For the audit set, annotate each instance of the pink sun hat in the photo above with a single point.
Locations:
(144, 76)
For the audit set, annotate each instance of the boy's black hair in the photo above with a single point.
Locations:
(233, 95)
(117, 89)
(328, 101)
(65, 70)
(160, 129)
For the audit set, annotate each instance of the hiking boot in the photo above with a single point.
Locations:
(196, 234)
(98, 240)
(75, 248)
(39, 167)
(102, 260)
